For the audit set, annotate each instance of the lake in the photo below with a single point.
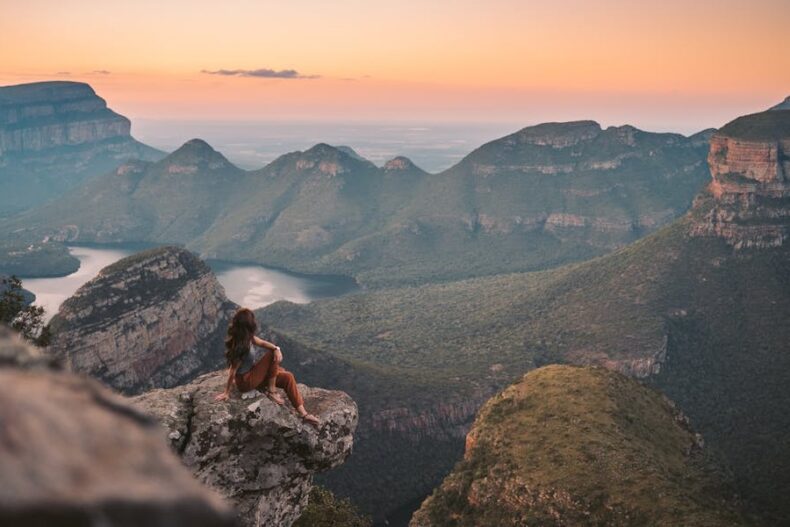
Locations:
(249, 285)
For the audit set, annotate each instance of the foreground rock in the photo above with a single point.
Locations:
(73, 453)
(154, 319)
(580, 446)
(259, 455)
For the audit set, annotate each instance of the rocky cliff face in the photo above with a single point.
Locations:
(748, 199)
(257, 454)
(74, 453)
(154, 319)
(44, 115)
(53, 135)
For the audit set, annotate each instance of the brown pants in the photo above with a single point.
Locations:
(260, 374)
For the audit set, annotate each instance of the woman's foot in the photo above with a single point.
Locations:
(310, 418)
(274, 396)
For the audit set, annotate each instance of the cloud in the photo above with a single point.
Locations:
(63, 73)
(101, 72)
(263, 73)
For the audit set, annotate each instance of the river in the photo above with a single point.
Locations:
(249, 285)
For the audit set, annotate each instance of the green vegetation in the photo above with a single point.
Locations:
(539, 198)
(34, 260)
(326, 510)
(718, 319)
(17, 313)
(759, 126)
(581, 446)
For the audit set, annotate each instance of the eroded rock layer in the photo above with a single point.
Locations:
(154, 319)
(748, 199)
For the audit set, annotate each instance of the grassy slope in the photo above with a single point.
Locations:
(722, 315)
(580, 446)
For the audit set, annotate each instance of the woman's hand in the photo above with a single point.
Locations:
(224, 396)
(278, 354)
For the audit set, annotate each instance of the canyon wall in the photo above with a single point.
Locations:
(55, 135)
(748, 199)
(154, 319)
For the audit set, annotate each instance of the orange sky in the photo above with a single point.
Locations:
(665, 64)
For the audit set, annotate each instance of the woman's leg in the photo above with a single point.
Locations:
(287, 382)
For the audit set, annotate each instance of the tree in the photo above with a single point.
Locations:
(25, 318)
(326, 510)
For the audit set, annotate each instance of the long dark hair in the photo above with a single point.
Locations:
(241, 329)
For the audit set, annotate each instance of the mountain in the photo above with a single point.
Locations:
(544, 196)
(54, 136)
(154, 319)
(784, 105)
(698, 309)
(73, 452)
(581, 446)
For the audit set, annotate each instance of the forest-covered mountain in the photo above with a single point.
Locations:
(698, 309)
(546, 195)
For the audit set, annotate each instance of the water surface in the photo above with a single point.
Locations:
(249, 285)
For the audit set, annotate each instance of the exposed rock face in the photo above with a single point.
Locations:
(748, 203)
(54, 135)
(154, 319)
(576, 446)
(73, 453)
(259, 455)
(43, 115)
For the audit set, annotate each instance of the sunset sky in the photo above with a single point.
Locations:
(663, 65)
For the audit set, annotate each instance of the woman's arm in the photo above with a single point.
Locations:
(231, 376)
(278, 354)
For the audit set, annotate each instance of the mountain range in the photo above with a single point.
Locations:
(544, 196)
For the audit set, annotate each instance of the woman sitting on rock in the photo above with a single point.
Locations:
(250, 367)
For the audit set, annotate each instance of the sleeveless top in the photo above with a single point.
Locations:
(250, 359)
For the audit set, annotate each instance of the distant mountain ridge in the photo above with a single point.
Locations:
(544, 196)
(55, 135)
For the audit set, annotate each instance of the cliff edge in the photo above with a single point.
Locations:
(257, 454)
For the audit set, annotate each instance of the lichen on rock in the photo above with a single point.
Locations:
(257, 454)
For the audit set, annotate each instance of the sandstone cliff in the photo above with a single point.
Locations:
(154, 319)
(53, 135)
(257, 454)
(748, 199)
(581, 446)
(73, 453)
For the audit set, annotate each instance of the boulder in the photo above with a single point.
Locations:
(257, 454)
